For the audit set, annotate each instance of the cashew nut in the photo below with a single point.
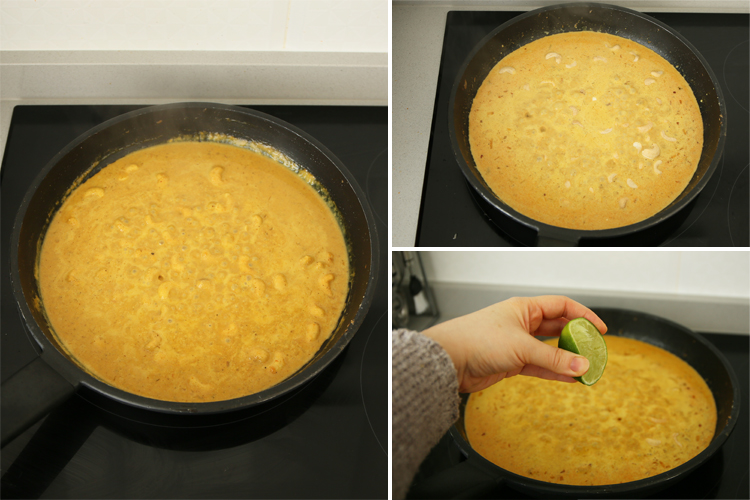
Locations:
(557, 57)
(645, 128)
(667, 138)
(649, 81)
(637, 145)
(632, 184)
(657, 74)
(507, 69)
(216, 178)
(656, 167)
(652, 153)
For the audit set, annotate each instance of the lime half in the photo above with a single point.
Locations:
(580, 336)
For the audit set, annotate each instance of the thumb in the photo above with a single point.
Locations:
(555, 359)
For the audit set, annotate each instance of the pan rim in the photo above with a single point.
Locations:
(545, 230)
(76, 376)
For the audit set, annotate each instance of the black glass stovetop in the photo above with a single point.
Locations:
(724, 475)
(719, 216)
(326, 439)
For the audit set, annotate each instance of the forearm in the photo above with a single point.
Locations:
(425, 402)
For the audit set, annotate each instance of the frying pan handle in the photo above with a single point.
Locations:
(556, 237)
(464, 480)
(28, 395)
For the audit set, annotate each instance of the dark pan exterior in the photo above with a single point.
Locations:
(156, 125)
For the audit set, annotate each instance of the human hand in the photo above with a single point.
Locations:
(499, 341)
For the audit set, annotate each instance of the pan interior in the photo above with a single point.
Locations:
(649, 414)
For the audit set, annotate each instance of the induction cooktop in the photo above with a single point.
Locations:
(451, 215)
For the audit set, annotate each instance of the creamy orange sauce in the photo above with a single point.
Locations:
(586, 130)
(194, 271)
(649, 413)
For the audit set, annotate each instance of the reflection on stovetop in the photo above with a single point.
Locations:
(327, 438)
(451, 216)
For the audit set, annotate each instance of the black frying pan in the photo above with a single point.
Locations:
(476, 475)
(610, 19)
(54, 376)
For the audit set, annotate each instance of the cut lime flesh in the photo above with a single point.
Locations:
(580, 336)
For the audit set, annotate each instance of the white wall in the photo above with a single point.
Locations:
(714, 274)
(217, 25)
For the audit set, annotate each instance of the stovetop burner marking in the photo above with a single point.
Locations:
(361, 387)
(729, 202)
(724, 74)
(367, 184)
(716, 187)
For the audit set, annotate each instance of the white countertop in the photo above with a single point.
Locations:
(158, 77)
(417, 34)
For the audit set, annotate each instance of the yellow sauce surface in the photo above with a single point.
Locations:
(649, 413)
(586, 130)
(194, 271)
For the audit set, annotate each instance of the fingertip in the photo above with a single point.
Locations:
(604, 329)
(598, 323)
(579, 365)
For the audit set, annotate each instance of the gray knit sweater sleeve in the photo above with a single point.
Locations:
(425, 402)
